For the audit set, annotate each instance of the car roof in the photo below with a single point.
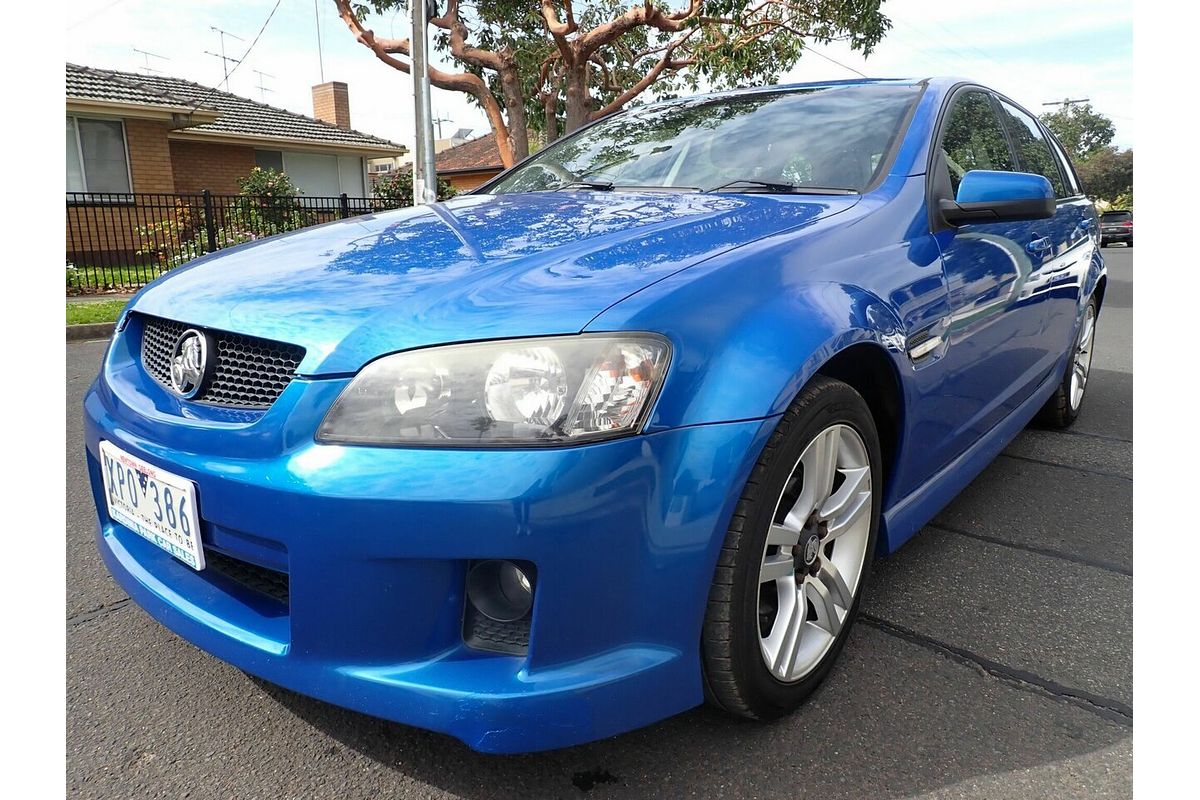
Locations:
(940, 83)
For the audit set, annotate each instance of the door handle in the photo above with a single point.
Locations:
(1038, 246)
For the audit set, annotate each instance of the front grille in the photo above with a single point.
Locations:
(247, 372)
(253, 577)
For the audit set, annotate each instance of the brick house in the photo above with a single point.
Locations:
(471, 164)
(148, 133)
(130, 136)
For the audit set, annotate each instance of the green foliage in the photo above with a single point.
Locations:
(726, 43)
(396, 190)
(267, 183)
(267, 205)
(1108, 176)
(181, 235)
(1080, 129)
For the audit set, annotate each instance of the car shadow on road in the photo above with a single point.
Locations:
(893, 720)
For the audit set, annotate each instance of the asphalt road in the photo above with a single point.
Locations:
(994, 659)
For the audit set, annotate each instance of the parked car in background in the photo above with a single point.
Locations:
(1116, 226)
(621, 430)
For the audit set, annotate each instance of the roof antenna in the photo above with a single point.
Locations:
(263, 89)
(224, 59)
(320, 54)
(147, 55)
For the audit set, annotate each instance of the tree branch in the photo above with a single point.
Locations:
(466, 82)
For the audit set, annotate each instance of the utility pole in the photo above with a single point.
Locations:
(224, 60)
(424, 172)
(1068, 103)
(146, 56)
(262, 90)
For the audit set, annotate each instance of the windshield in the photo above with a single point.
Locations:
(807, 140)
(1116, 216)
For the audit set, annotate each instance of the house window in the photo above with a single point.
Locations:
(269, 159)
(97, 160)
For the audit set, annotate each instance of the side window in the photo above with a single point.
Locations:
(973, 138)
(1033, 151)
(1068, 170)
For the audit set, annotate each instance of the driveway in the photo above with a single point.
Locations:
(994, 660)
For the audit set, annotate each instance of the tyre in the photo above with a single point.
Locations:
(1063, 406)
(796, 556)
(1103, 243)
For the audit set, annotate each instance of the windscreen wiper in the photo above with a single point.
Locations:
(598, 186)
(747, 185)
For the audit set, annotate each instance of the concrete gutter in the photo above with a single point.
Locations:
(94, 330)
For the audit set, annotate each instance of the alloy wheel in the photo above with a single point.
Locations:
(815, 552)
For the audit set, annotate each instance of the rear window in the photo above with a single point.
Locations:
(1116, 216)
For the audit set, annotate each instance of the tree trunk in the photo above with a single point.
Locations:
(514, 104)
(579, 99)
(550, 116)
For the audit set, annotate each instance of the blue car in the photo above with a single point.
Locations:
(617, 433)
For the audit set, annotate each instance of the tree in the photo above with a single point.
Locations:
(1108, 174)
(1081, 130)
(554, 65)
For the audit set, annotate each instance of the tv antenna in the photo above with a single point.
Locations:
(438, 121)
(225, 60)
(262, 90)
(146, 56)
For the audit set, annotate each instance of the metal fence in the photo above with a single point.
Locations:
(123, 241)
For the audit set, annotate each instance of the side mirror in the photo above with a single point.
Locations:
(988, 196)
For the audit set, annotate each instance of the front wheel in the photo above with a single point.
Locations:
(796, 556)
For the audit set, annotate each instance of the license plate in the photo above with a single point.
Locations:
(155, 504)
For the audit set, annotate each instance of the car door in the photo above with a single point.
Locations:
(1070, 235)
(996, 341)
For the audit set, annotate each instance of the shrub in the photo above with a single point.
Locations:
(396, 191)
(267, 183)
(268, 204)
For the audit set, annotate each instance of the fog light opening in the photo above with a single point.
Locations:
(501, 590)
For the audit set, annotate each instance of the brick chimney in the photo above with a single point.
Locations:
(331, 103)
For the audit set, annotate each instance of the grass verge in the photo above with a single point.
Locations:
(101, 311)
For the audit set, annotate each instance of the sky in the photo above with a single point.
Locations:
(1033, 51)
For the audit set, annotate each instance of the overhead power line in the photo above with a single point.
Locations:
(817, 52)
(93, 15)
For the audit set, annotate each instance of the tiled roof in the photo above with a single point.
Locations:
(477, 154)
(239, 115)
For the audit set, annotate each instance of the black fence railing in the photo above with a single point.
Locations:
(123, 241)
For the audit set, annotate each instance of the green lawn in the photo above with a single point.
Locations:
(117, 277)
(100, 311)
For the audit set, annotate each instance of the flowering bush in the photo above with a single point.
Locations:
(266, 183)
(268, 204)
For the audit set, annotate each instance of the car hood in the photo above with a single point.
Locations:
(475, 267)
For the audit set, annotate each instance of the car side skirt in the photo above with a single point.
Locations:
(908, 515)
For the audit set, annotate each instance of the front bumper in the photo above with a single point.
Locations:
(375, 544)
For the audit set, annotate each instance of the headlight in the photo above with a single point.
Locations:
(554, 390)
